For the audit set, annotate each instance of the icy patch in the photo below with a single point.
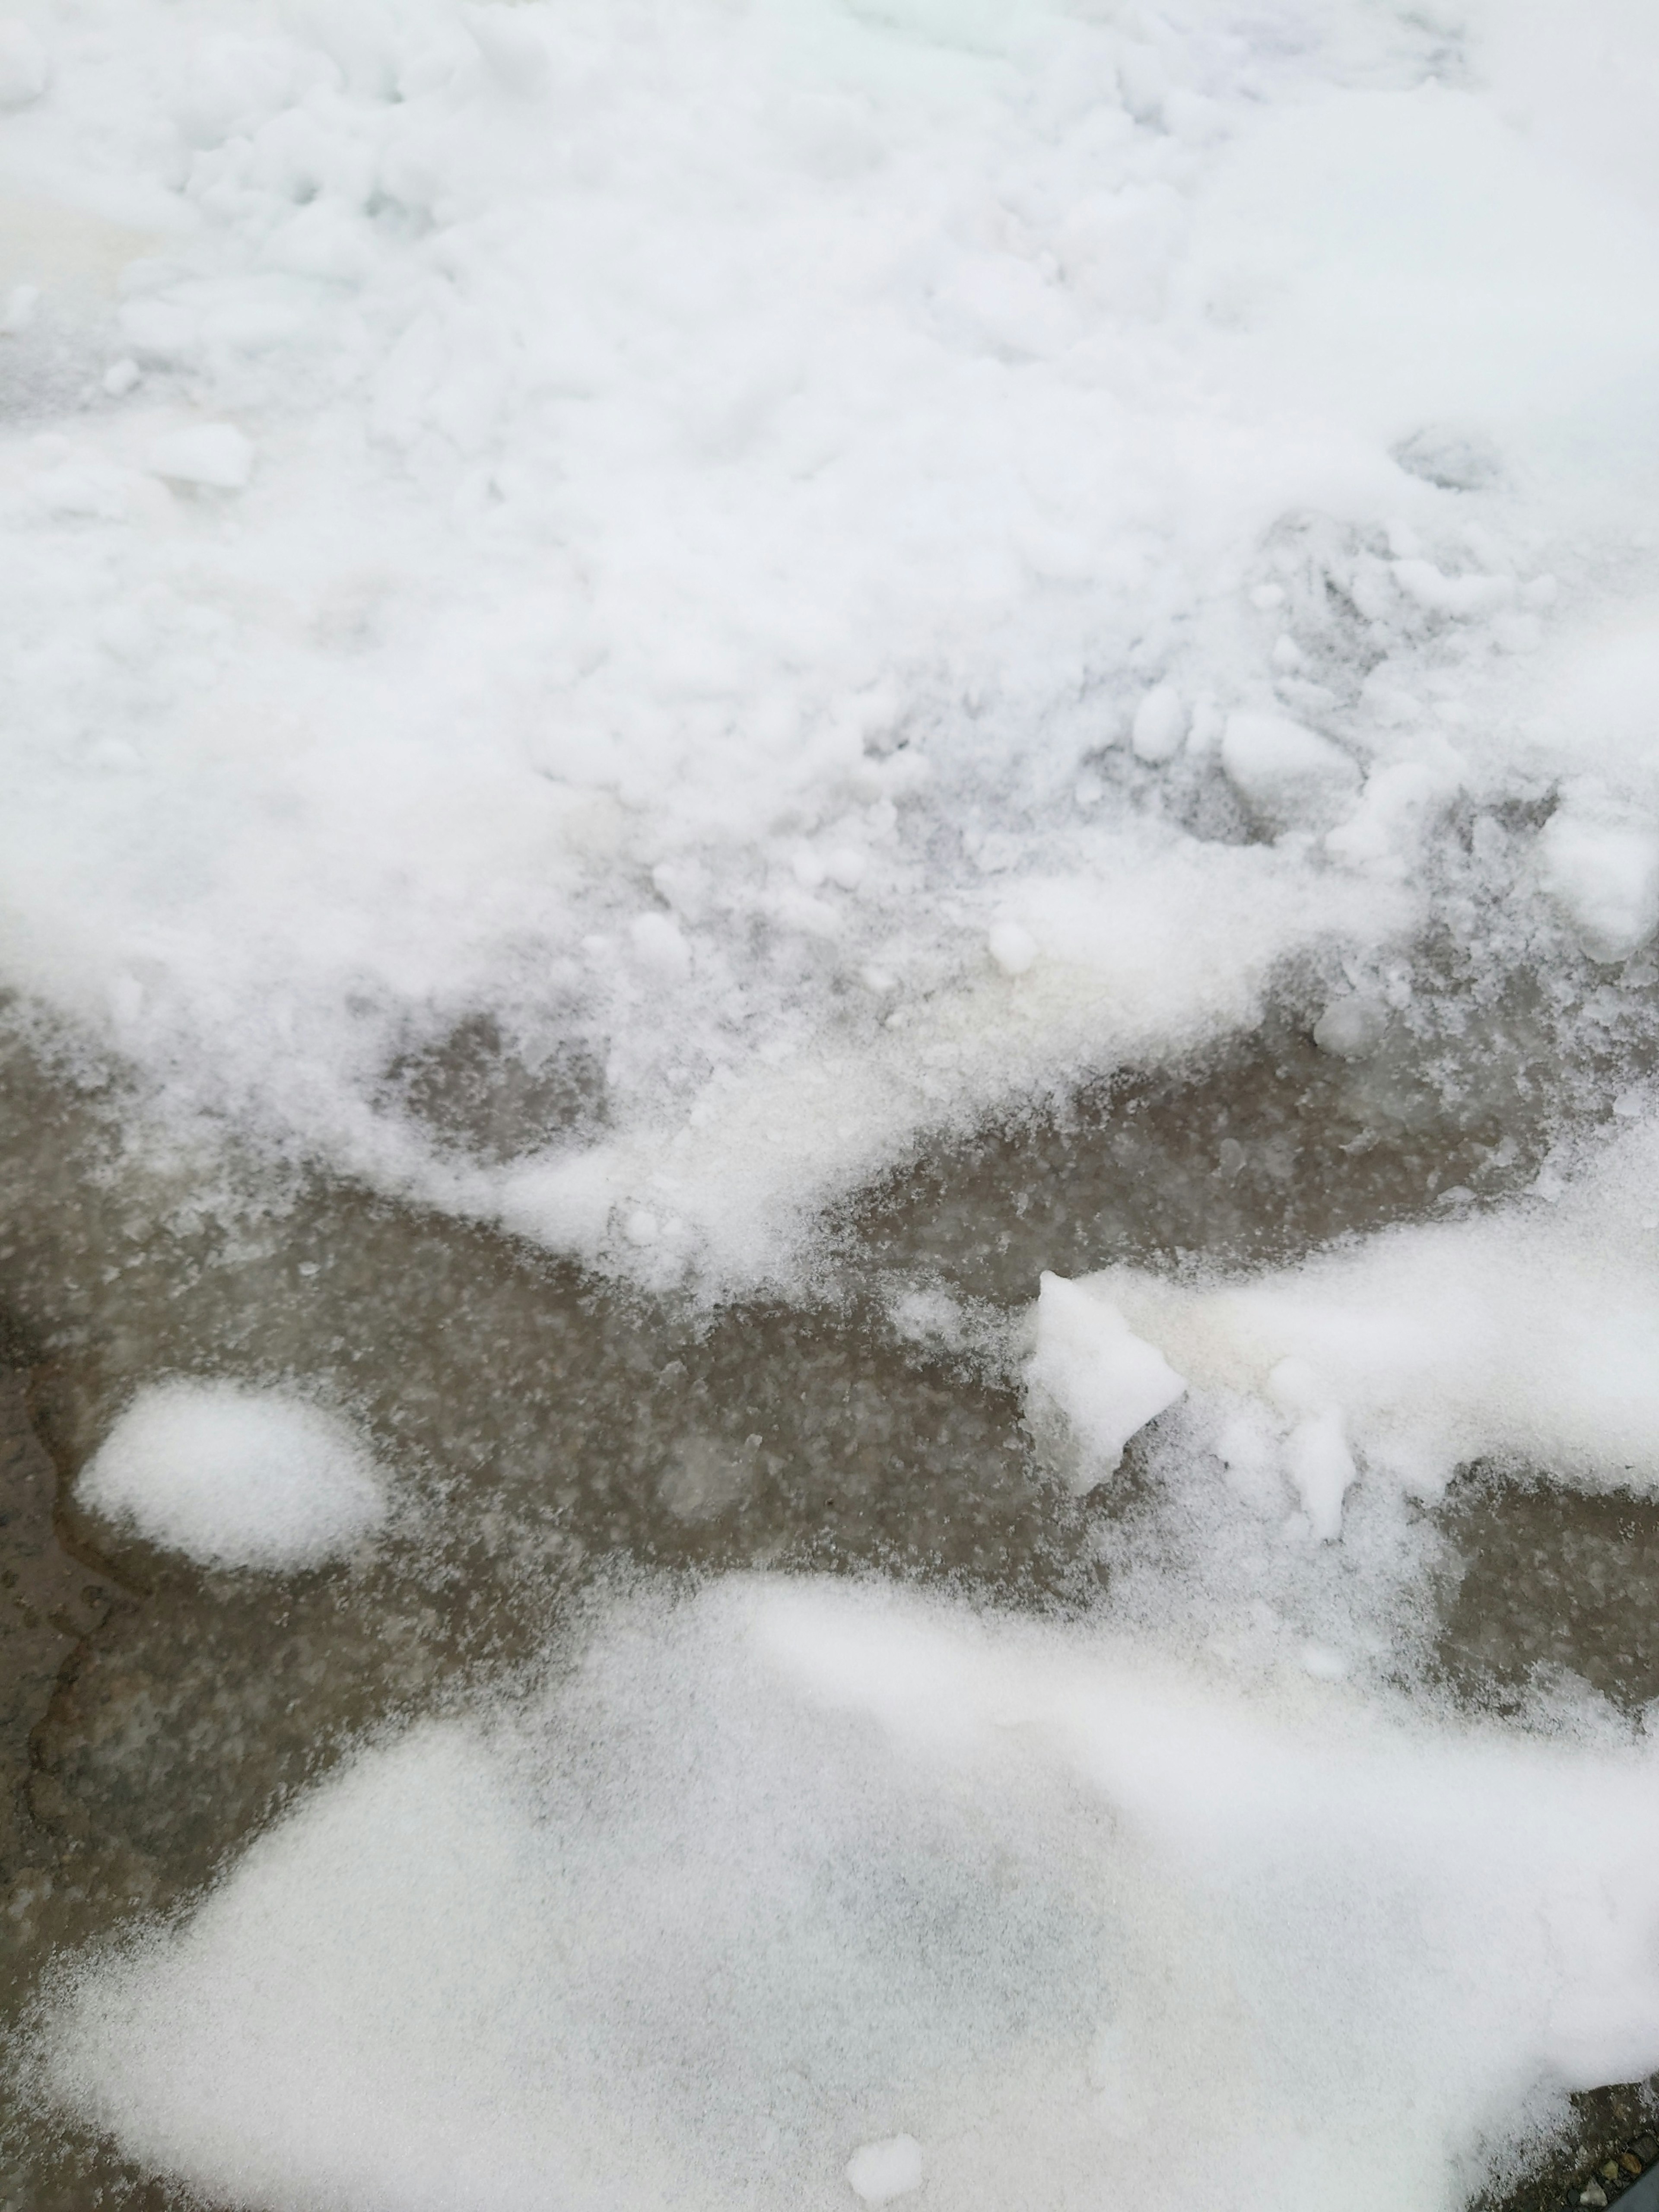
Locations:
(235, 1477)
(774, 1888)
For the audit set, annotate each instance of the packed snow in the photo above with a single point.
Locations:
(622, 613)
(235, 1477)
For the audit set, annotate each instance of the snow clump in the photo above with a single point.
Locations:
(234, 1477)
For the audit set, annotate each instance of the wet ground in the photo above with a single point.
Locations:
(548, 1426)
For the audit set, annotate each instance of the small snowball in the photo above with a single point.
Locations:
(1605, 878)
(1349, 1028)
(1013, 949)
(235, 1477)
(846, 866)
(122, 377)
(1288, 775)
(1108, 1381)
(881, 2171)
(160, 330)
(216, 455)
(23, 67)
(1160, 724)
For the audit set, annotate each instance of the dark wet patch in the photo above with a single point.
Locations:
(1552, 1584)
(1240, 1163)
(477, 1091)
(49, 1603)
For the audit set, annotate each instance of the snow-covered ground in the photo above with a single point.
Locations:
(622, 613)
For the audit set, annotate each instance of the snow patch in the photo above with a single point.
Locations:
(235, 1477)
(796, 1865)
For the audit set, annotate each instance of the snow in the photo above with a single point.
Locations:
(1530, 1338)
(1289, 777)
(1160, 724)
(1108, 1381)
(24, 65)
(878, 2171)
(235, 1477)
(771, 1888)
(827, 572)
(216, 454)
(1012, 948)
(1605, 875)
(750, 440)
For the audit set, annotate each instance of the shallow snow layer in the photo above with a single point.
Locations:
(795, 1888)
(235, 1477)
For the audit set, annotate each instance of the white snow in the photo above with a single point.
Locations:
(1529, 1337)
(214, 454)
(844, 567)
(694, 448)
(878, 2171)
(1290, 777)
(1012, 948)
(1605, 874)
(24, 67)
(800, 1866)
(235, 1477)
(1160, 724)
(1108, 1381)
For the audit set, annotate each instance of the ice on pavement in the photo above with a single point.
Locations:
(784, 1887)
(235, 1476)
